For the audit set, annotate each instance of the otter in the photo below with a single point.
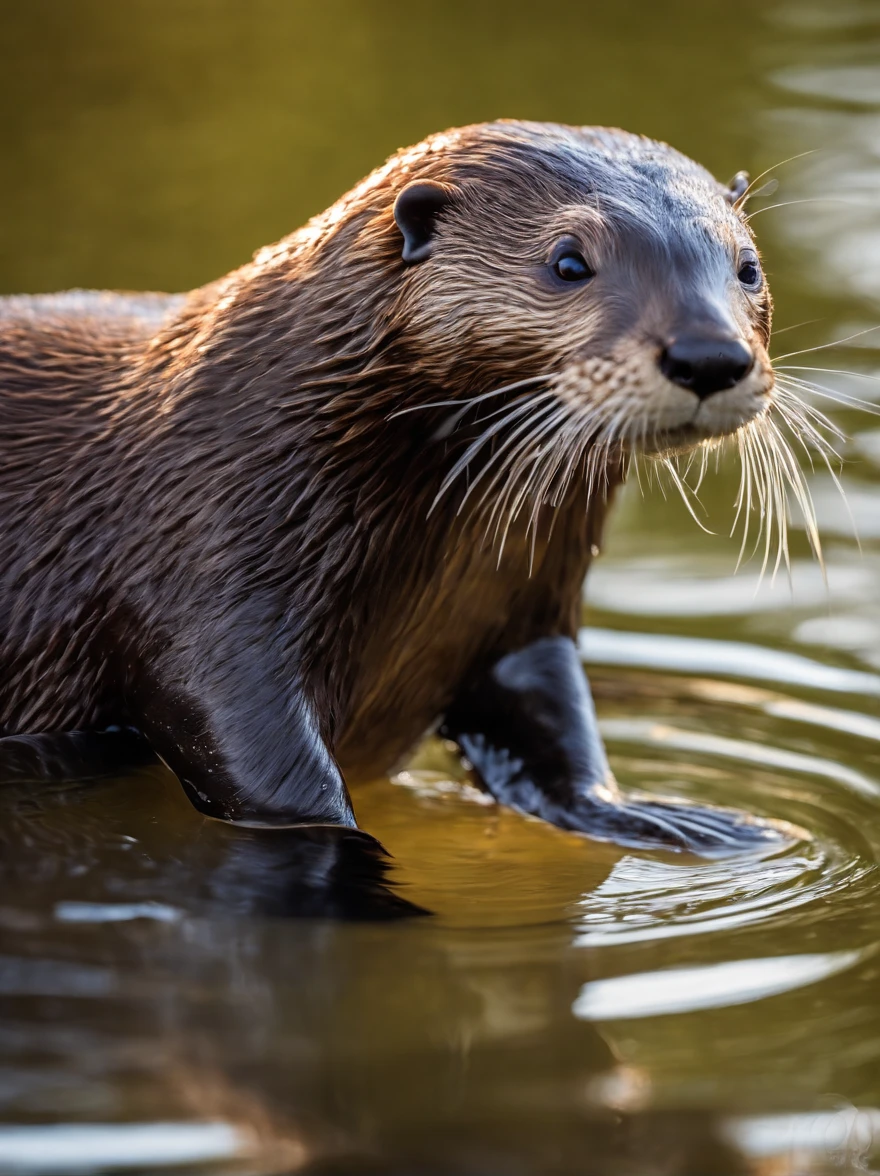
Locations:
(285, 525)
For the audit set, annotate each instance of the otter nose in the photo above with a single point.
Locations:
(706, 363)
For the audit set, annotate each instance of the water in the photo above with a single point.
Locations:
(570, 1008)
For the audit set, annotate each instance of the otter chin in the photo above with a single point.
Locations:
(284, 525)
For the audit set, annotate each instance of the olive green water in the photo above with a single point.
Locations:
(570, 1008)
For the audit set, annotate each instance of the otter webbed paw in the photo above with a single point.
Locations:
(528, 727)
(642, 821)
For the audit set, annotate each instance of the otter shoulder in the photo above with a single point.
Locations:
(130, 312)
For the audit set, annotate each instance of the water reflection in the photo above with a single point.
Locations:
(646, 901)
(79, 1148)
(711, 986)
(698, 656)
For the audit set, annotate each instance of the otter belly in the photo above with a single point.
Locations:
(472, 609)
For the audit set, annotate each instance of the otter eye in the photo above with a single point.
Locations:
(749, 272)
(572, 267)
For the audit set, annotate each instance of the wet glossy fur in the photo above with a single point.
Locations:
(231, 465)
(219, 529)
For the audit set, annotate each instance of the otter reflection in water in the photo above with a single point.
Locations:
(131, 1001)
(284, 525)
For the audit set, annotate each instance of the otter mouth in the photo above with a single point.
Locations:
(632, 403)
(588, 422)
(669, 424)
(680, 437)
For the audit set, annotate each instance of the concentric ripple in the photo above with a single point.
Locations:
(736, 742)
(647, 899)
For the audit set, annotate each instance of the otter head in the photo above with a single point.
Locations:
(610, 269)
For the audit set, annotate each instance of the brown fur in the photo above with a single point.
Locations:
(198, 479)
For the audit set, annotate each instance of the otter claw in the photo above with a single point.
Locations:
(643, 822)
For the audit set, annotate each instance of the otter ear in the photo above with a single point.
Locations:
(416, 210)
(737, 187)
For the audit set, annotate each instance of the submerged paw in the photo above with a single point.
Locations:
(704, 829)
(641, 821)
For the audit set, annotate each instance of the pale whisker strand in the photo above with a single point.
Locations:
(526, 448)
(826, 452)
(832, 394)
(826, 346)
(777, 331)
(750, 190)
(800, 367)
(474, 448)
(683, 489)
(795, 479)
(526, 454)
(524, 459)
(744, 494)
(771, 498)
(804, 200)
(472, 400)
(758, 496)
(805, 424)
(540, 482)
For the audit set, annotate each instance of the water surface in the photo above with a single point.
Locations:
(570, 1008)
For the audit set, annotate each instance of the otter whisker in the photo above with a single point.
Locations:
(704, 466)
(474, 448)
(758, 492)
(760, 481)
(598, 461)
(805, 422)
(586, 437)
(526, 457)
(750, 189)
(826, 346)
(832, 394)
(795, 367)
(472, 400)
(804, 200)
(777, 331)
(635, 465)
(778, 455)
(790, 409)
(572, 435)
(770, 499)
(771, 476)
(786, 473)
(509, 452)
(796, 481)
(790, 389)
(583, 436)
(539, 461)
(683, 488)
(744, 494)
(572, 431)
(531, 463)
(526, 449)
(691, 458)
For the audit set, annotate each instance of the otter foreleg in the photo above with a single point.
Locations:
(244, 745)
(528, 726)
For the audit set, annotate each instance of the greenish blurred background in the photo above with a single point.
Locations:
(157, 144)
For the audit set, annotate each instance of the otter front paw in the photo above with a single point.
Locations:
(642, 821)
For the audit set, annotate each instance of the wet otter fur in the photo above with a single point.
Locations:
(289, 522)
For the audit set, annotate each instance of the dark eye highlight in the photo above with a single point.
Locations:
(571, 266)
(749, 272)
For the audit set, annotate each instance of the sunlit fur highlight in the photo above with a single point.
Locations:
(589, 410)
(365, 477)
